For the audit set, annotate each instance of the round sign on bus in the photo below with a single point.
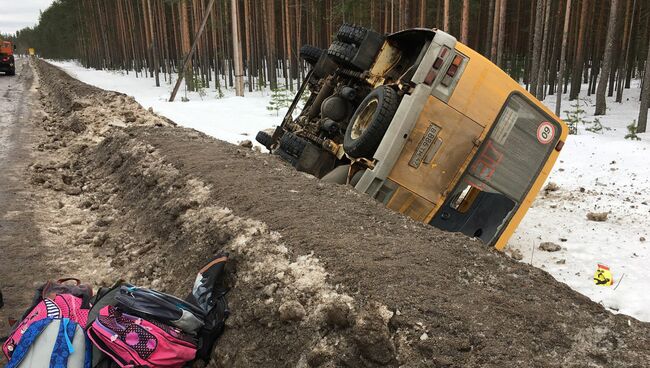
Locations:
(545, 132)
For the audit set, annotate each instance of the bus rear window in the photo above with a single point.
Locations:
(512, 156)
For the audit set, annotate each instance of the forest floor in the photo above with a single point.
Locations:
(322, 276)
(598, 171)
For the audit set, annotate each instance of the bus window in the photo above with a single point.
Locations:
(517, 148)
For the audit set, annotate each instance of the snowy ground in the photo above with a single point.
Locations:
(597, 172)
(229, 118)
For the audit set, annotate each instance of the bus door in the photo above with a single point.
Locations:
(437, 147)
(501, 173)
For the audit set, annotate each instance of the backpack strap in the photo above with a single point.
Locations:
(88, 360)
(61, 281)
(63, 345)
(26, 342)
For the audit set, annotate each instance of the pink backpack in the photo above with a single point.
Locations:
(134, 342)
(55, 306)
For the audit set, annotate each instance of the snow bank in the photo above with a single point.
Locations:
(597, 172)
(226, 117)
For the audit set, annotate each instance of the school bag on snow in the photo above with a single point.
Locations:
(54, 300)
(52, 343)
(132, 341)
(199, 320)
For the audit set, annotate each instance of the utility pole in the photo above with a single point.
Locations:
(236, 50)
(188, 57)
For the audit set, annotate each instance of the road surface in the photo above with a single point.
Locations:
(20, 252)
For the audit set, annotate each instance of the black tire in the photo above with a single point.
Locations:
(12, 72)
(292, 144)
(357, 177)
(351, 33)
(264, 138)
(343, 53)
(287, 157)
(370, 122)
(339, 175)
(310, 54)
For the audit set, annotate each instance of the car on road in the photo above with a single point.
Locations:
(7, 62)
(423, 124)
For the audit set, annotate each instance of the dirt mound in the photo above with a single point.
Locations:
(322, 276)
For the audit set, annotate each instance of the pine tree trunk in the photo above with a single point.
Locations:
(490, 26)
(645, 97)
(529, 50)
(537, 46)
(541, 73)
(616, 52)
(601, 104)
(576, 79)
(423, 12)
(236, 50)
(555, 47)
(249, 56)
(627, 36)
(185, 45)
(636, 19)
(445, 25)
(565, 34)
(502, 32)
(215, 50)
(288, 32)
(495, 31)
(154, 49)
(464, 28)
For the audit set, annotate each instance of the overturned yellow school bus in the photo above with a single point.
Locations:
(425, 125)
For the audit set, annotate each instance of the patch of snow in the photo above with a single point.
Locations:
(230, 118)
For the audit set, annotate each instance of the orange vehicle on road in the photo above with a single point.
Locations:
(7, 62)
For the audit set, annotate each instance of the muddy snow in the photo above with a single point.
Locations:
(321, 275)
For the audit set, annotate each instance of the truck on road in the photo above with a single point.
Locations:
(7, 62)
(423, 124)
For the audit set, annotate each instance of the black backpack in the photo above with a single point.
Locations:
(155, 305)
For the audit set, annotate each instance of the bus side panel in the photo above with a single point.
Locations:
(482, 89)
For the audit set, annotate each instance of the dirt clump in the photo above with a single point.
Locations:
(597, 216)
(551, 187)
(550, 247)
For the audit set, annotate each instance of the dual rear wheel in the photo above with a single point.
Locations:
(370, 122)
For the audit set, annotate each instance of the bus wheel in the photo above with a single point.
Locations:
(351, 33)
(337, 176)
(370, 122)
(310, 54)
(343, 53)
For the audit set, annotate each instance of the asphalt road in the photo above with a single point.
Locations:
(19, 239)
